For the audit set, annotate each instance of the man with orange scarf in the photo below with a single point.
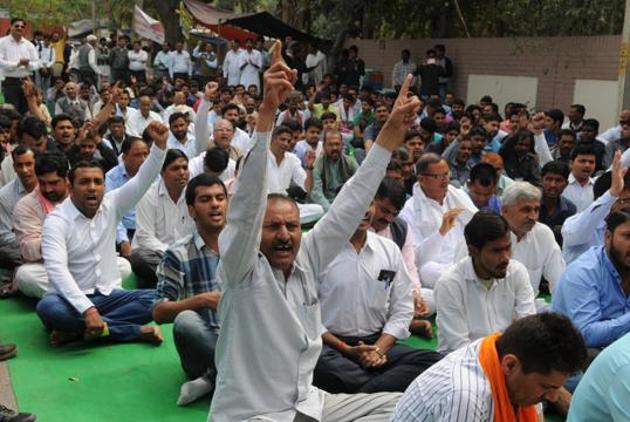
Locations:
(498, 378)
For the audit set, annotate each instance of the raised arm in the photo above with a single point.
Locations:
(202, 134)
(331, 233)
(128, 195)
(239, 241)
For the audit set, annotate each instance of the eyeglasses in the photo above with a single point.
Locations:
(443, 176)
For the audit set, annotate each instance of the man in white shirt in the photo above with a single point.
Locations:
(179, 137)
(580, 187)
(402, 69)
(436, 214)
(179, 106)
(366, 299)
(614, 133)
(232, 65)
(161, 218)
(47, 59)
(181, 64)
(485, 291)
(240, 139)
(162, 61)
(78, 247)
(138, 122)
(533, 243)
(271, 325)
(138, 59)
(18, 59)
(250, 64)
(284, 168)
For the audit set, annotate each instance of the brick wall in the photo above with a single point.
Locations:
(555, 61)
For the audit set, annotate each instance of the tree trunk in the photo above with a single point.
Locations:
(170, 20)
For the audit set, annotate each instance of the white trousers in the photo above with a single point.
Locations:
(31, 278)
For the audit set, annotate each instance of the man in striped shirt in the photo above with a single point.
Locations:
(536, 355)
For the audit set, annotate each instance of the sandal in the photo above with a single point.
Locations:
(8, 290)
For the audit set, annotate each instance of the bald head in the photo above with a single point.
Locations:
(223, 133)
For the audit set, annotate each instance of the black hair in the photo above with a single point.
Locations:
(478, 130)
(203, 179)
(401, 154)
(393, 165)
(543, 343)
(279, 130)
(177, 115)
(591, 123)
(486, 99)
(579, 108)
(556, 167)
(293, 125)
(313, 122)
(484, 227)
(21, 150)
(128, 143)
(583, 149)
(555, 114)
(568, 132)
(393, 191)
(428, 124)
(52, 162)
(116, 119)
(488, 117)
(171, 155)
(412, 133)
(216, 160)
(31, 126)
(328, 115)
(484, 173)
(228, 107)
(61, 118)
(617, 218)
(84, 164)
(459, 101)
(17, 19)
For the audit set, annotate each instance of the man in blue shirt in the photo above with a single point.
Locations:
(603, 393)
(594, 290)
(586, 229)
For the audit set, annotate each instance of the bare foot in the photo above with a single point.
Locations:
(421, 327)
(59, 338)
(151, 334)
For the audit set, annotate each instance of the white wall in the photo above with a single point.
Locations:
(600, 100)
(502, 89)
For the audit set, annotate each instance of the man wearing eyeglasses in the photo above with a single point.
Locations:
(18, 59)
(614, 132)
(436, 213)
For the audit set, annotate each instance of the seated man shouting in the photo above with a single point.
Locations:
(187, 291)
(271, 324)
(500, 377)
(78, 246)
(366, 299)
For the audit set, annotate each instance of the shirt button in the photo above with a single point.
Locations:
(98, 272)
(98, 257)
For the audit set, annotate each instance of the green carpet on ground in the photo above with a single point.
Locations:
(107, 382)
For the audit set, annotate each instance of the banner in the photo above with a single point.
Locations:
(147, 27)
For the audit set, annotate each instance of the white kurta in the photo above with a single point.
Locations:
(250, 74)
(232, 67)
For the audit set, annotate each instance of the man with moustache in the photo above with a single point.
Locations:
(533, 243)
(161, 218)
(485, 291)
(579, 190)
(366, 299)
(554, 208)
(331, 170)
(436, 214)
(187, 291)
(271, 325)
(84, 297)
(593, 291)
(51, 169)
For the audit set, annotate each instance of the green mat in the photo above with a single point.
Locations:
(108, 382)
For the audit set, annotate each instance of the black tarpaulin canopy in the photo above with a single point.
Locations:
(264, 23)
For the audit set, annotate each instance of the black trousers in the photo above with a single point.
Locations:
(119, 75)
(336, 373)
(13, 94)
(88, 77)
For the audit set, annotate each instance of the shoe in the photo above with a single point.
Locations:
(8, 415)
(7, 351)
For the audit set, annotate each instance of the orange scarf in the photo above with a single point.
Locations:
(503, 409)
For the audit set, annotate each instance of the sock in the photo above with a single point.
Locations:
(195, 389)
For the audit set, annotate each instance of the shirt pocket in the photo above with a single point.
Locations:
(310, 317)
(374, 291)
